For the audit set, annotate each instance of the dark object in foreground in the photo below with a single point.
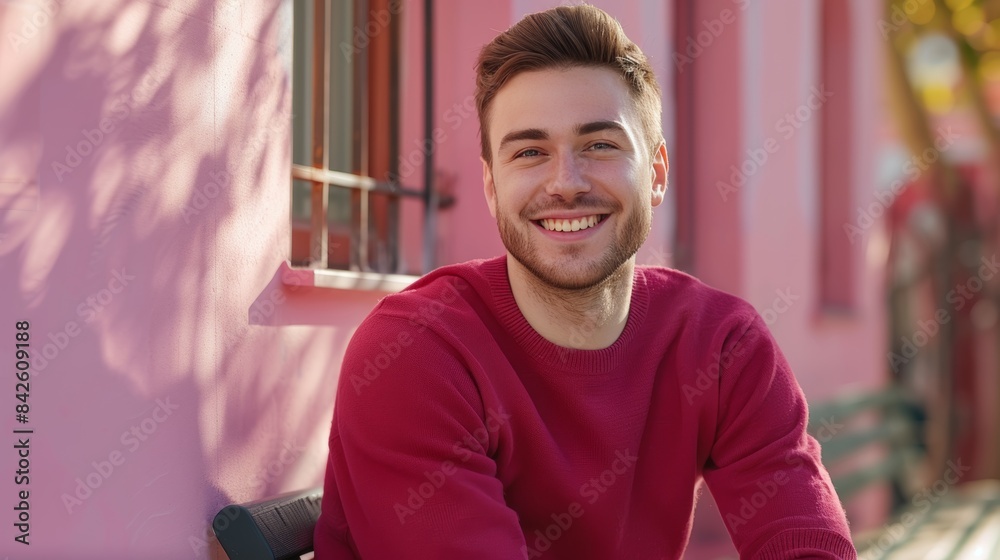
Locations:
(275, 528)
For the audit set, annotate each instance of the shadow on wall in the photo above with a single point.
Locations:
(143, 214)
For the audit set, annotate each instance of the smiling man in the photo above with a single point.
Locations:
(559, 401)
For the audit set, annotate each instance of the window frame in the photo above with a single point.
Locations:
(374, 82)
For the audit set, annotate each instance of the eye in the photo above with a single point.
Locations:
(600, 146)
(530, 152)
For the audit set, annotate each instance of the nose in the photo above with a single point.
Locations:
(569, 176)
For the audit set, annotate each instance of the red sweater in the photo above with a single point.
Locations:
(460, 433)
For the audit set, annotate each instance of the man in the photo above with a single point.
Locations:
(560, 402)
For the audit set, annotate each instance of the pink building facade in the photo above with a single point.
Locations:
(177, 364)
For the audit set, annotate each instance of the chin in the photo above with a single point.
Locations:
(572, 273)
(570, 267)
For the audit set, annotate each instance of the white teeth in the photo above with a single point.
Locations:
(571, 225)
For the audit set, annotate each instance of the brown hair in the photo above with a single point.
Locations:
(565, 37)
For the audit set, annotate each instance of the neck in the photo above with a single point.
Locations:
(586, 319)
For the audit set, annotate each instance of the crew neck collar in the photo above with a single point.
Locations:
(553, 355)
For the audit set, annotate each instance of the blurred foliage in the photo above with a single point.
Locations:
(969, 79)
(944, 67)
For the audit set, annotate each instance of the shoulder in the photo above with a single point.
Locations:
(722, 343)
(452, 288)
(679, 299)
(414, 336)
(394, 363)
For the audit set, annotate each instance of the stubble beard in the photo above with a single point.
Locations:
(624, 245)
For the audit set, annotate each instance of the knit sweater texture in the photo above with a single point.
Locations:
(459, 432)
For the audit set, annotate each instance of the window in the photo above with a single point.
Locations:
(836, 268)
(345, 211)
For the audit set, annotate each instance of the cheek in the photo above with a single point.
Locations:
(509, 191)
(624, 180)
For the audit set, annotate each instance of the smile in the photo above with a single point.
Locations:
(576, 224)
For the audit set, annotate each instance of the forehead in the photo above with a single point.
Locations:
(557, 100)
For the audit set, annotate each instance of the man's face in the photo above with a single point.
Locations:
(573, 184)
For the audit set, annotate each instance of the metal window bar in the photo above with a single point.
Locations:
(318, 236)
(393, 248)
(430, 193)
(322, 177)
(357, 182)
(359, 198)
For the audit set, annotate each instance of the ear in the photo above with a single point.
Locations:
(489, 189)
(660, 168)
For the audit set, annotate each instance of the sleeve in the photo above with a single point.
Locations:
(410, 472)
(764, 470)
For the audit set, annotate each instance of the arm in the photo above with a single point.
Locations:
(410, 473)
(764, 470)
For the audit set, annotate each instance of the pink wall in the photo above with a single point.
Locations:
(185, 193)
(780, 204)
(758, 235)
(761, 240)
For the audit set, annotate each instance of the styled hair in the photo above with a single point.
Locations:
(566, 37)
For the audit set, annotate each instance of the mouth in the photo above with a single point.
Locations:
(569, 225)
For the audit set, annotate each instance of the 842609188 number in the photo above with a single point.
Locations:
(21, 370)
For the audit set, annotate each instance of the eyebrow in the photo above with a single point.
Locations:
(600, 126)
(526, 134)
(539, 134)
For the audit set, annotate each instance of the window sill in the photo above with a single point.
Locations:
(344, 279)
